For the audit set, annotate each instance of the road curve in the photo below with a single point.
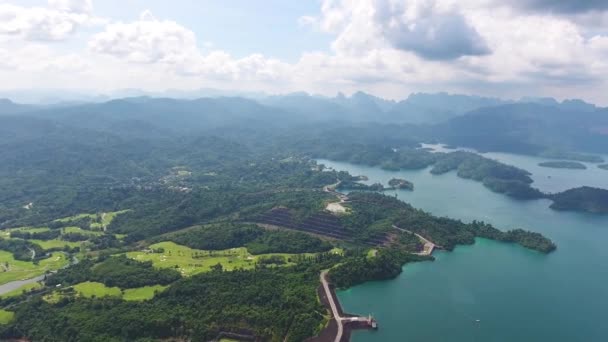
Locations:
(429, 246)
(334, 307)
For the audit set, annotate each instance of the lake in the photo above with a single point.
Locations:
(493, 291)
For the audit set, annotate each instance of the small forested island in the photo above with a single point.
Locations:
(397, 183)
(603, 166)
(588, 199)
(589, 158)
(563, 165)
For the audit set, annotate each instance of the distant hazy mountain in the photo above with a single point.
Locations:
(8, 107)
(434, 108)
(531, 128)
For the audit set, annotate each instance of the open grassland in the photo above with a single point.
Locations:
(92, 289)
(24, 288)
(104, 218)
(142, 293)
(192, 261)
(79, 230)
(11, 269)
(6, 316)
(7, 232)
(55, 243)
(75, 217)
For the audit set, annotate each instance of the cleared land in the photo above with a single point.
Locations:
(11, 269)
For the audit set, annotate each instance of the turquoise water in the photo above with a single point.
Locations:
(516, 294)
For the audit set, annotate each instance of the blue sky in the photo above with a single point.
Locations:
(239, 26)
(389, 48)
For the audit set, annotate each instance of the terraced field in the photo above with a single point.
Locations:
(322, 223)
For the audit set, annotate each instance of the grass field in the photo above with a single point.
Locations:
(19, 291)
(79, 230)
(18, 270)
(75, 217)
(192, 261)
(106, 218)
(7, 232)
(55, 243)
(92, 289)
(6, 316)
(142, 293)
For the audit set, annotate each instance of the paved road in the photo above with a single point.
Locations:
(334, 307)
(13, 285)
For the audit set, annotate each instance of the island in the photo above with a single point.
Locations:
(563, 165)
(397, 183)
(603, 166)
(588, 199)
(555, 154)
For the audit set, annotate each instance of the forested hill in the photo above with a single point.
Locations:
(529, 128)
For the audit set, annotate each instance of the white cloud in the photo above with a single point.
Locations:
(73, 6)
(44, 24)
(147, 40)
(390, 47)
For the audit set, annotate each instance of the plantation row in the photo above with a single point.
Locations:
(321, 223)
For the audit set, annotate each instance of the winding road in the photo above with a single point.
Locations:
(429, 246)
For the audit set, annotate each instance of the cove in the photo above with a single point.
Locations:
(515, 293)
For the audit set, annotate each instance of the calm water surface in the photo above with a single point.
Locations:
(516, 294)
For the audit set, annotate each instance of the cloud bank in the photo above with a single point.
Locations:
(387, 47)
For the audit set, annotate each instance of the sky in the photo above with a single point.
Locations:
(389, 48)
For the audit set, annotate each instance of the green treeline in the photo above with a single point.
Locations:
(271, 303)
(46, 235)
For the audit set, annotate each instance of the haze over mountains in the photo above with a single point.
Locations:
(530, 125)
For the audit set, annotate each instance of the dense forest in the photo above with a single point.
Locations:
(585, 198)
(273, 304)
(257, 240)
